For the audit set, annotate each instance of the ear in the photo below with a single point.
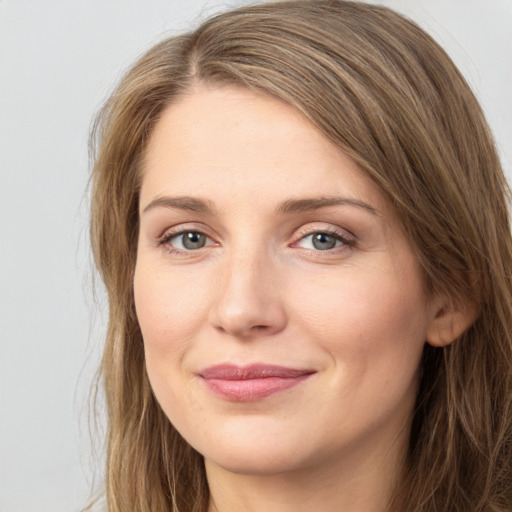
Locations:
(449, 321)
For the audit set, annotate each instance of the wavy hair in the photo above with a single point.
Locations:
(388, 96)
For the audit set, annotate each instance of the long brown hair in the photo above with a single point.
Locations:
(387, 95)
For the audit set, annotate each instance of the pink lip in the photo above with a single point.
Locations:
(250, 383)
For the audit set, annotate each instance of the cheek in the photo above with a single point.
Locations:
(171, 309)
(373, 329)
(373, 323)
(168, 307)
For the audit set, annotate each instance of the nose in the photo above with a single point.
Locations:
(248, 299)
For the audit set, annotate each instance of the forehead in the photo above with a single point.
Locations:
(225, 143)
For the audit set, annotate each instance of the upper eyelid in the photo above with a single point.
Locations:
(333, 230)
(298, 233)
(186, 227)
(345, 240)
(165, 241)
(334, 234)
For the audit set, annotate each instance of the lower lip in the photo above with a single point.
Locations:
(250, 390)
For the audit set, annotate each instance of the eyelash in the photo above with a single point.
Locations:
(346, 242)
(165, 241)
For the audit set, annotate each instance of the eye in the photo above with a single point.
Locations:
(186, 241)
(322, 241)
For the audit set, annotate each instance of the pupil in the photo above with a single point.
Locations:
(193, 240)
(323, 241)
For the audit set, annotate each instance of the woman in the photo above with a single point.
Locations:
(301, 221)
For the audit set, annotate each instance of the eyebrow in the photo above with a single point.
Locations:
(197, 205)
(308, 204)
(191, 204)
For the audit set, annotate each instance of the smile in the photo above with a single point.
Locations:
(251, 383)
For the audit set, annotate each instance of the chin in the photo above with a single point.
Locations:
(261, 451)
(256, 462)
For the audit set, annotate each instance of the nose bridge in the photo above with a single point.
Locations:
(248, 299)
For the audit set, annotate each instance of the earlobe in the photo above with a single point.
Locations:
(449, 322)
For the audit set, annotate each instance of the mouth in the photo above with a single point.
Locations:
(253, 382)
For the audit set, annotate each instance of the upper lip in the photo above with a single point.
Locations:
(253, 371)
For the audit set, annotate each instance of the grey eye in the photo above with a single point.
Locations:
(192, 240)
(323, 241)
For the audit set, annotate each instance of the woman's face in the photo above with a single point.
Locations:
(282, 309)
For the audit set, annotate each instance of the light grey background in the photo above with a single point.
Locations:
(58, 61)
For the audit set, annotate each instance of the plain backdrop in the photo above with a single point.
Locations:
(58, 61)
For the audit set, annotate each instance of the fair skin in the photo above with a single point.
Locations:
(261, 243)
